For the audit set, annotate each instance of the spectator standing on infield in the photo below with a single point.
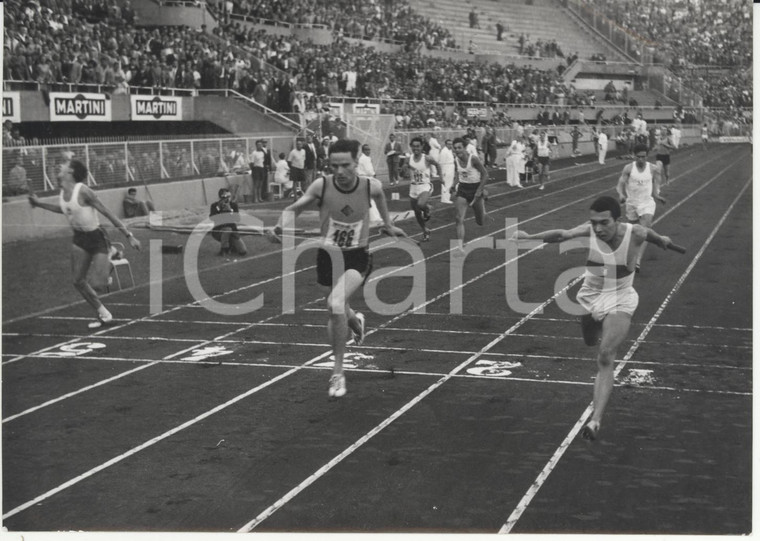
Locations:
(258, 171)
(282, 175)
(638, 187)
(310, 163)
(447, 167)
(544, 154)
(297, 162)
(607, 292)
(90, 245)
(515, 162)
(268, 161)
(364, 167)
(343, 261)
(393, 152)
(602, 146)
(576, 135)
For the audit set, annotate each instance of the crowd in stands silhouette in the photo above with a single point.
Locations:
(388, 20)
(689, 34)
(86, 42)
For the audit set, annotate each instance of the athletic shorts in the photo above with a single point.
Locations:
(543, 160)
(601, 303)
(297, 175)
(358, 259)
(416, 190)
(467, 191)
(664, 158)
(93, 242)
(635, 210)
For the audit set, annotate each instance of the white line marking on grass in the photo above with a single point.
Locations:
(549, 467)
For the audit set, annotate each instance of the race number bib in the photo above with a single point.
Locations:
(344, 235)
(418, 177)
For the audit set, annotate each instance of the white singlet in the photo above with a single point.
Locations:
(80, 218)
(639, 186)
(608, 282)
(467, 174)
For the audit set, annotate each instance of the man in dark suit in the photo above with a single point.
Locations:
(268, 167)
(393, 153)
(310, 165)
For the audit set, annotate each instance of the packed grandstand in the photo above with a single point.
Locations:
(685, 62)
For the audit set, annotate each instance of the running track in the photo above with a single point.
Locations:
(456, 420)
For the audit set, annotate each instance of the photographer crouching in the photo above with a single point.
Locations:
(225, 215)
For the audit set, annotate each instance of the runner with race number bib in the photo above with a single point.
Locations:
(343, 261)
(420, 185)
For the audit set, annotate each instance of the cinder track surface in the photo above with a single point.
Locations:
(455, 420)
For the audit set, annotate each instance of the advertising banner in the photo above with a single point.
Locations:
(156, 107)
(12, 106)
(79, 106)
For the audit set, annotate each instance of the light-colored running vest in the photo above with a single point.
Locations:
(467, 174)
(639, 186)
(420, 170)
(542, 149)
(81, 218)
(344, 216)
(610, 271)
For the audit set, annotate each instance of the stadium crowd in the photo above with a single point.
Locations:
(93, 42)
(371, 20)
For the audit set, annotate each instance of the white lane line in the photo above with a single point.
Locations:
(145, 445)
(269, 511)
(264, 363)
(566, 320)
(549, 467)
(198, 345)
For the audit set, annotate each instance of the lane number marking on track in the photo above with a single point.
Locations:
(207, 352)
(496, 369)
(73, 350)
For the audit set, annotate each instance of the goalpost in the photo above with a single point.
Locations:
(373, 130)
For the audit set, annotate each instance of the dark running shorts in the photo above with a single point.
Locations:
(664, 158)
(358, 259)
(543, 160)
(93, 242)
(467, 191)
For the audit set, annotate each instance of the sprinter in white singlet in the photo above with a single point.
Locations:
(420, 184)
(638, 187)
(471, 179)
(607, 295)
(90, 246)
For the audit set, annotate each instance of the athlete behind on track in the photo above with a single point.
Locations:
(420, 185)
(471, 179)
(607, 292)
(343, 260)
(638, 187)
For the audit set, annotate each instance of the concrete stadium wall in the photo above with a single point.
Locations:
(22, 222)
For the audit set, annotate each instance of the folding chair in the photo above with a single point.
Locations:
(276, 190)
(117, 259)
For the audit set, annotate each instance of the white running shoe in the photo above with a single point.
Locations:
(359, 336)
(100, 322)
(337, 385)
